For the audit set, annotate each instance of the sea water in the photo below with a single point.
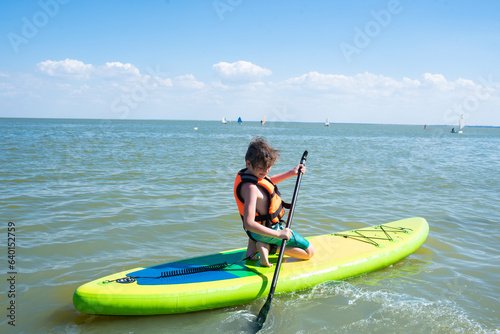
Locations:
(87, 198)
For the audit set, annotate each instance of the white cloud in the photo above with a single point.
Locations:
(240, 71)
(459, 89)
(113, 69)
(438, 80)
(441, 83)
(315, 80)
(411, 82)
(65, 68)
(188, 81)
(77, 69)
(367, 84)
(150, 82)
(465, 83)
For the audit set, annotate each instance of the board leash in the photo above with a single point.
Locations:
(181, 272)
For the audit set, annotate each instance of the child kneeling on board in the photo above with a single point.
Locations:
(261, 208)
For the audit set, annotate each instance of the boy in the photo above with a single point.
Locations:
(261, 208)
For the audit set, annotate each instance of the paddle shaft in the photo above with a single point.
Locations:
(261, 318)
(288, 223)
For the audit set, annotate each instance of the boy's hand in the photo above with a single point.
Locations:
(299, 166)
(285, 234)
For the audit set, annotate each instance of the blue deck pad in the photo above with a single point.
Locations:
(156, 271)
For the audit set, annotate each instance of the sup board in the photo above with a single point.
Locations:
(227, 278)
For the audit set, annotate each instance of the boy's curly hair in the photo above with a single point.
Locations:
(261, 154)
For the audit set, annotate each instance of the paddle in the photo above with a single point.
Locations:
(262, 316)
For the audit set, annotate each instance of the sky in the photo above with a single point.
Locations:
(391, 62)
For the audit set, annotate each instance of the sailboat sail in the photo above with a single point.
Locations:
(239, 120)
(263, 121)
(224, 121)
(461, 123)
(327, 122)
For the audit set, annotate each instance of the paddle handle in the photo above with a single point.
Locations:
(296, 190)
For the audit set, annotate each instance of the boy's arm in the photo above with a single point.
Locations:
(251, 192)
(286, 175)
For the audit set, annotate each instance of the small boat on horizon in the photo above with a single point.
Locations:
(461, 125)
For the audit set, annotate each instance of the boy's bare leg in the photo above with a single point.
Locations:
(252, 249)
(264, 254)
(299, 253)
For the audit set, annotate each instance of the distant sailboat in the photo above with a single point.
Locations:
(263, 121)
(224, 121)
(327, 122)
(461, 125)
(239, 120)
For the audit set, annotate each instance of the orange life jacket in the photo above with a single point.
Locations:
(276, 206)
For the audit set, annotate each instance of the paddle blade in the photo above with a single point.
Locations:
(262, 316)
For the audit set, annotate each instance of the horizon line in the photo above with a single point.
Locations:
(213, 120)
